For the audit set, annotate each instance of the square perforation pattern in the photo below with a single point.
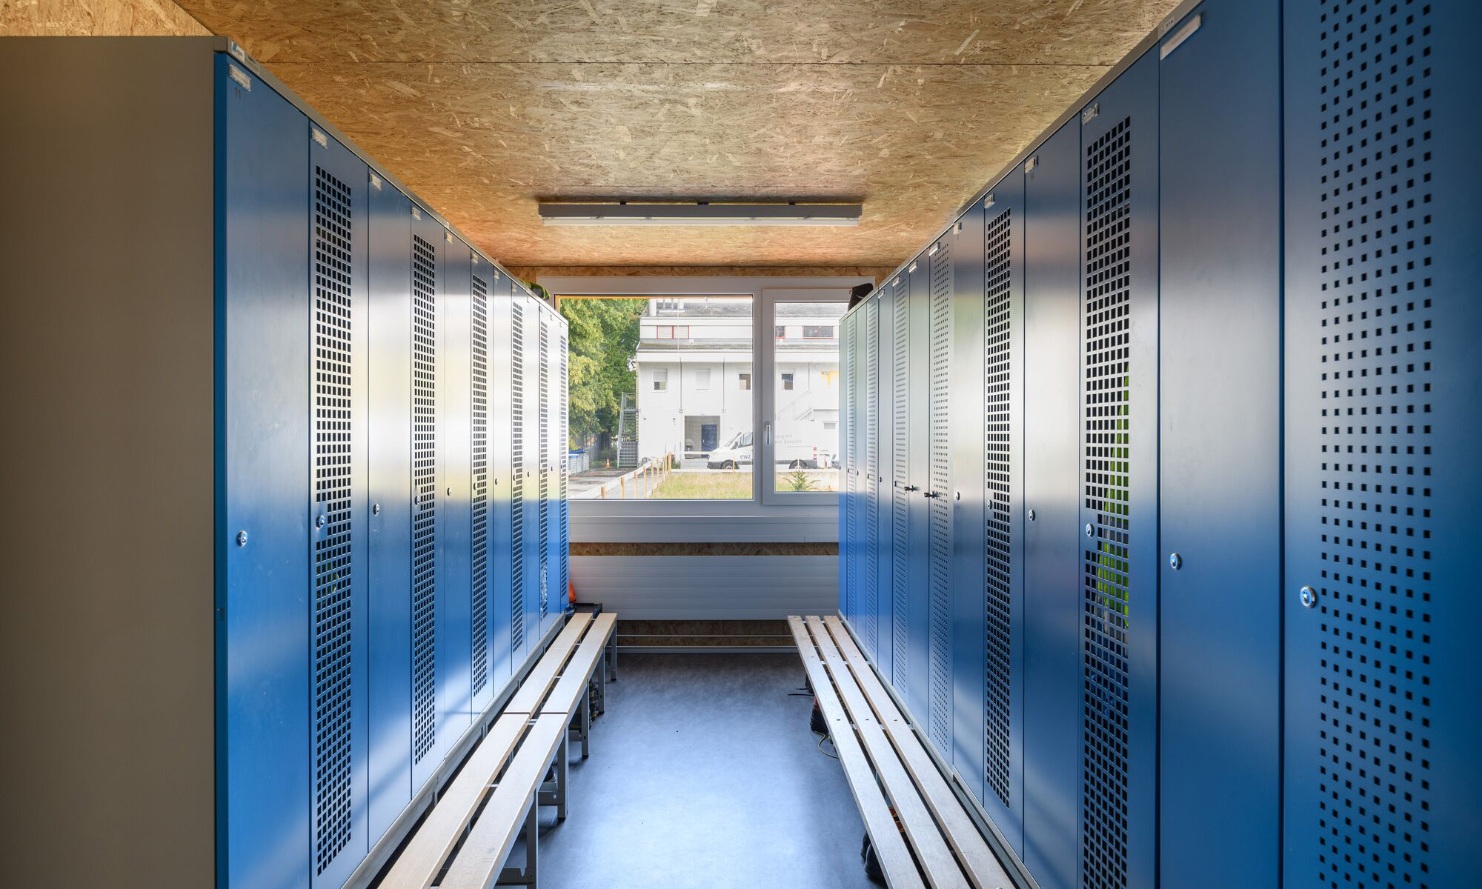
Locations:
(424, 488)
(1374, 597)
(900, 525)
(517, 481)
(543, 481)
(872, 468)
(1107, 586)
(480, 473)
(998, 554)
(940, 506)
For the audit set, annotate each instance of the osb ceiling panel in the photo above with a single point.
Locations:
(483, 108)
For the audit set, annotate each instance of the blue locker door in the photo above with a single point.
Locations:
(501, 443)
(455, 513)
(389, 543)
(938, 496)
(1220, 435)
(1119, 502)
(427, 289)
(847, 525)
(481, 488)
(1383, 670)
(550, 603)
(961, 260)
(1050, 439)
(867, 489)
(520, 627)
(338, 292)
(264, 675)
(880, 533)
(997, 447)
(917, 484)
(530, 429)
(563, 450)
(900, 498)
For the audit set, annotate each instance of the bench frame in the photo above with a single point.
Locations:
(893, 772)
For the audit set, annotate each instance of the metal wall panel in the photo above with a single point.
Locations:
(1220, 442)
(455, 512)
(337, 499)
(1119, 505)
(1051, 446)
(1382, 667)
(428, 286)
(264, 242)
(389, 544)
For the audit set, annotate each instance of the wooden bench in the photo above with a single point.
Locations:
(467, 836)
(936, 843)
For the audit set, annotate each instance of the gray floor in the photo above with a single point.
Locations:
(703, 773)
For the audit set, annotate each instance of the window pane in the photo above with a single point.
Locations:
(644, 415)
(807, 421)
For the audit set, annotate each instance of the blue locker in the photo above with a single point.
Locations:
(481, 490)
(1050, 438)
(867, 480)
(1383, 672)
(389, 543)
(915, 485)
(264, 826)
(428, 285)
(521, 628)
(563, 449)
(848, 541)
(1220, 443)
(1119, 483)
(937, 383)
(901, 540)
(882, 302)
(552, 603)
(960, 259)
(455, 512)
(338, 288)
(526, 345)
(504, 653)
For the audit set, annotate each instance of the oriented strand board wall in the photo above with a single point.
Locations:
(97, 18)
(533, 273)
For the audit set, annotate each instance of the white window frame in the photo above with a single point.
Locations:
(770, 516)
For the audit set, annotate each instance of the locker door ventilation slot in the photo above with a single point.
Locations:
(998, 557)
(332, 543)
(517, 479)
(940, 506)
(424, 488)
(850, 564)
(1107, 583)
(900, 515)
(872, 469)
(543, 494)
(480, 467)
(1373, 692)
(563, 440)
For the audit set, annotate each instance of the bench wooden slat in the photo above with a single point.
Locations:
(479, 862)
(962, 833)
(942, 869)
(579, 669)
(418, 864)
(532, 690)
(890, 846)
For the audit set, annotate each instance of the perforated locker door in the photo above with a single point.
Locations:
(389, 547)
(338, 184)
(938, 495)
(481, 484)
(546, 595)
(987, 456)
(503, 652)
(427, 288)
(916, 485)
(524, 631)
(264, 682)
(1383, 672)
(868, 479)
(1051, 456)
(455, 531)
(533, 537)
(561, 532)
(900, 507)
(848, 527)
(1219, 455)
(1119, 486)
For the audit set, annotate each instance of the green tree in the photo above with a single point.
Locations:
(602, 340)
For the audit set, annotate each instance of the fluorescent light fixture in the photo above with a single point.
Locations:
(627, 213)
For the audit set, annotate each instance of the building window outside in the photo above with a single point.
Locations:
(781, 332)
(661, 379)
(813, 332)
(745, 382)
(702, 379)
(787, 381)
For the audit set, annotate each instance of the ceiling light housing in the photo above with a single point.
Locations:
(628, 213)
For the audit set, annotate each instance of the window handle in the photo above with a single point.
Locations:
(767, 434)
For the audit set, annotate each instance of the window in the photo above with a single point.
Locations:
(674, 432)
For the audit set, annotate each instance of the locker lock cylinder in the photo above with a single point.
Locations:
(1308, 596)
(1175, 561)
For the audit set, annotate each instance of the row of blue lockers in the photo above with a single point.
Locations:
(1157, 462)
(392, 491)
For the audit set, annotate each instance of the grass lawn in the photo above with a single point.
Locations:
(721, 484)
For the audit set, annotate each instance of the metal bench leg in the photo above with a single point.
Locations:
(586, 723)
(513, 876)
(563, 770)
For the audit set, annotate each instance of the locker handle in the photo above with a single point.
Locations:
(910, 488)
